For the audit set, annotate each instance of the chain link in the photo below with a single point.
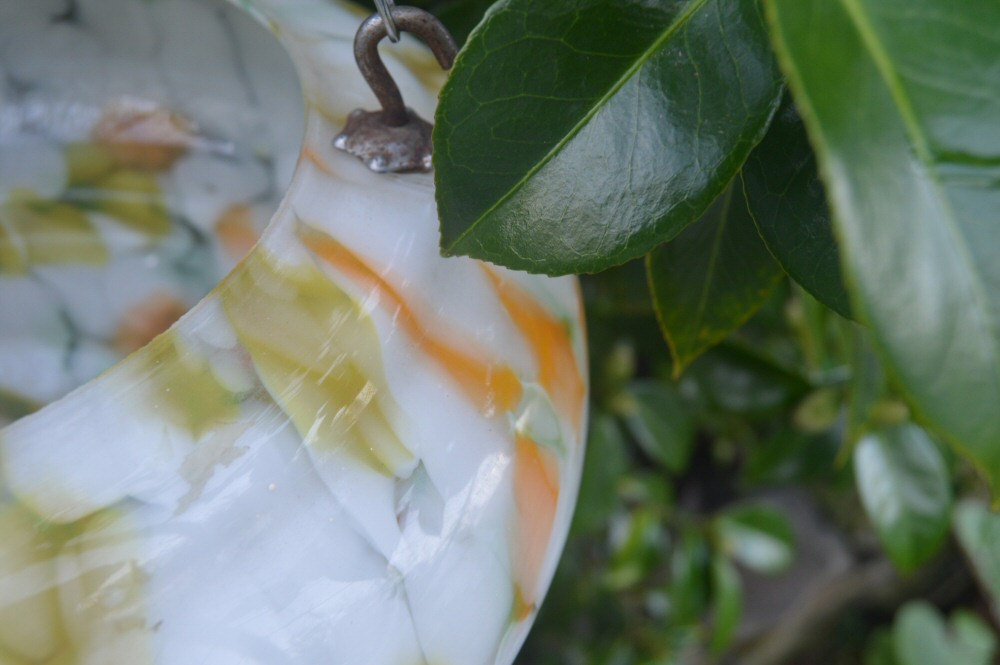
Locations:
(385, 8)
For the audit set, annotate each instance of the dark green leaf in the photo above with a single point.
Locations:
(978, 532)
(637, 547)
(904, 485)
(920, 637)
(737, 381)
(879, 649)
(868, 383)
(788, 203)
(605, 464)
(756, 536)
(710, 279)
(899, 97)
(573, 136)
(727, 601)
(689, 575)
(621, 291)
(659, 422)
(647, 487)
(791, 456)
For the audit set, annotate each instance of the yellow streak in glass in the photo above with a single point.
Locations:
(13, 260)
(134, 198)
(46, 232)
(87, 163)
(185, 386)
(319, 357)
(69, 592)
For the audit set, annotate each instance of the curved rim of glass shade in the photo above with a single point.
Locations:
(313, 82)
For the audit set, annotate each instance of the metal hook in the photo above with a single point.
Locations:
(373, 30)
(395, 138)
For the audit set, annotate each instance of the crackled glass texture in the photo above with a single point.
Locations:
(249, 414)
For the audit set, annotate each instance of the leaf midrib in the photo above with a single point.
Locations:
(709, 282)
(668, 32)
(890, 77)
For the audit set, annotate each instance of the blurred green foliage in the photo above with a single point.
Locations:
(685, 514)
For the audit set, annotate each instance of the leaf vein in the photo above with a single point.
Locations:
(668, 32)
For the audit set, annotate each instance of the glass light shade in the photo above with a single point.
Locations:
(347, 449)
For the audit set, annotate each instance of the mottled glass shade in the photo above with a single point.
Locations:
(143, 149)
(312, 439)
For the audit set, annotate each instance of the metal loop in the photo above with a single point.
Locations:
(373, 30)
(385, 8)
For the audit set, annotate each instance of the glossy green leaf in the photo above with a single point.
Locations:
(905, 488)
(727, 601)
(899, 97)
(788, 204)
(573, 136)
(606, 462)
(921, 637)
(756, 536)
(978, 532)
(659, 422)
(710, 279)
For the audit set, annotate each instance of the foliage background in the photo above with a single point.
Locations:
(755, 547)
